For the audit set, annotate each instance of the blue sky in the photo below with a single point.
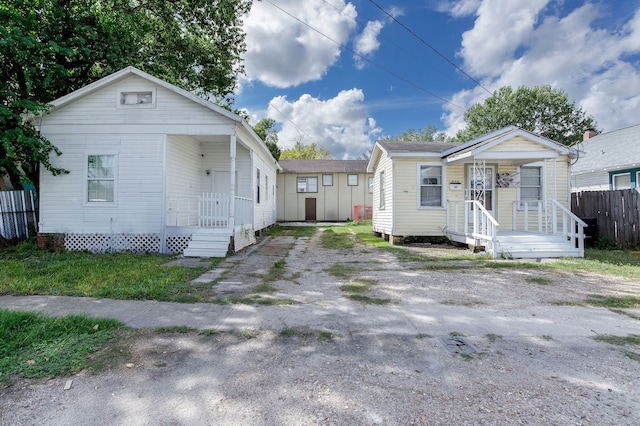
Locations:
(343, 74)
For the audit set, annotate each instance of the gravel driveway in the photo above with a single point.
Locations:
(463, 345)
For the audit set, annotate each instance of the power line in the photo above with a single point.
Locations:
(399, 77)
(430, 46)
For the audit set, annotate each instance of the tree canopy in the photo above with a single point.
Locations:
(306, 152)
(542, 110)
(265, 128)
(49, 48)
(430, 133)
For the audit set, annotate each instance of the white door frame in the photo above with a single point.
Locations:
(482, 189)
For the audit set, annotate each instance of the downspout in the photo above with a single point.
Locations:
(232, 181)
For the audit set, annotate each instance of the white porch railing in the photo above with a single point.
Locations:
(182, 210)
(243, 211)
(213, 211)
(525, 210)
(572, 227)
(477, 222)
(208, 211)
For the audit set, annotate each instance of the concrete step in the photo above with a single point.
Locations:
(208, 242)
(205, 252)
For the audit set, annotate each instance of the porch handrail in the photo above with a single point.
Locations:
(524, 207)
(485, 227)
(213, 210)
(572, 226)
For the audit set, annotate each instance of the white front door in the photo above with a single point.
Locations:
(481, 187)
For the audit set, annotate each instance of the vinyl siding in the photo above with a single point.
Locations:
(383, 218)
(595, 181)
(516, 144)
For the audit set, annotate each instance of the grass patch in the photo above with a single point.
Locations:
(632, 355)
(37, 346)
(276, 272)
(263, 288)
(547, 337)
(28, 271)
(621, 263)
(175, 329)
(631, 339)
(457, 334)
(331, 239)
(248, 333)
(539, 280)
(423, 336)
(294, 332)
(327, 335)
(493, 337)
(367, 300)
(357, 288)
(252, 300)
(340, 270)
(294, 231)
(628, 302)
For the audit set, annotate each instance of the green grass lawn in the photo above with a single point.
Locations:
(25, 270)
(37, 346)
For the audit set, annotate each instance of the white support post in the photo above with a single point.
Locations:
(232, 182)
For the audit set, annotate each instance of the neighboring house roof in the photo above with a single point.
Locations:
(458, 151)
(126, 72)
(615, 150)
(323, 166)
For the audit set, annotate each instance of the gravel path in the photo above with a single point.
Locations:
(478, 346)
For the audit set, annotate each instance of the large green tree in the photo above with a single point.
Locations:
(306, 152)
(265, 128)
(430, 133)
(49, 48)
(543, 110)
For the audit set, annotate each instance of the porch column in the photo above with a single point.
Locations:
(232, 182)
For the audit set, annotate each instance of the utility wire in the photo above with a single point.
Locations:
(430, 46)
(399, 77)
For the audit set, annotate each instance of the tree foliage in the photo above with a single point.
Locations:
(265, 128)
(430, 133)
(49, 48)
(542, 110)
(306, 152)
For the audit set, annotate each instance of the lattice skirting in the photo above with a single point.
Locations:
(131, 243)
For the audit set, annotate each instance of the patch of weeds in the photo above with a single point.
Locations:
(336, 241)
(457, 334)
(327, 335)
(366, 300)
(187, 298)
(159, 364)
(294, 231)
(621, 312)
(175, 329)
(209, 332)
(539, 280)
(340, 270)
(629, 302)
(356, 287)
(423, 336)
(276, 272)
(631, 339)
(263, 288)
(632, 355)
(493, 337)
(248, 333)
(466, 357)
(468, 303)
(547, 337)
(294, 332)
(252, 300)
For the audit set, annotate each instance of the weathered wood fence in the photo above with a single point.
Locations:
(17, 215)
(616, 213)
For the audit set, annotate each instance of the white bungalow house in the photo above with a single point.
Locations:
(153, 168)
(608, 161)
(506, 191)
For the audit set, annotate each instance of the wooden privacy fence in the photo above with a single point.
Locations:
(616, 214)
(17, 214)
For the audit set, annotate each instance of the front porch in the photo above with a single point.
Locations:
(536, 232)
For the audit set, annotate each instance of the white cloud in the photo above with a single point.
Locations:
(460, 8)
(367, 42)
(284, 52)
(526, 48)
(341, 124)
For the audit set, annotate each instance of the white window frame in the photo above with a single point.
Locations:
(638, 181)
(349, 178)
(419, 185)
(266, 187)
(306, 178)
(615, 175)
(85, 197)
(543, 173)
(327, 180)
(382, 190)
(136, 91)
(257, 185)
(370, 184)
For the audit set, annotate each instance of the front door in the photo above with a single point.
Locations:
(310, 209)
(481, 187)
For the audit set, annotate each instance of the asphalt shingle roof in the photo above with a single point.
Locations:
(399, 147)
(614, 150)
(323, 166)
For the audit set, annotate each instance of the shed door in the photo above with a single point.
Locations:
(310, 209)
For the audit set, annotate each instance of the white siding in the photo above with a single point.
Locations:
(595, 181)
(383, 218)
(183, 167)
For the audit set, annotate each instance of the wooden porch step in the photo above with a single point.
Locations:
(535, 246)
(208, 243)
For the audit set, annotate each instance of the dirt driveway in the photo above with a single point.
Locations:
(453, 344)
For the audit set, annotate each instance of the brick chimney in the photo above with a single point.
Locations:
(588, 134)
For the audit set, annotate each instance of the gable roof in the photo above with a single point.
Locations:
(450, 152)
(323, 166)
(133, 71)
(616, 150)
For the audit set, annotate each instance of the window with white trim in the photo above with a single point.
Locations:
(370, 185)
(307, 184)
(530, 184)
(266, 187)
(430, 184)
(352, 180)
(382, 191)
(257, 186)
(327, 180)
(621, 181)
(101, 178)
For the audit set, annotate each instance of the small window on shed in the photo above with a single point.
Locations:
(136, 98)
